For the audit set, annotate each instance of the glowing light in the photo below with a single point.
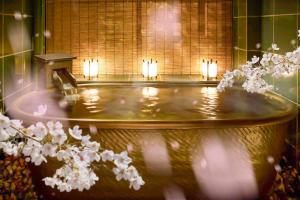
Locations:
(86, 67)
(149, 69)
(94, 68)
(209, 69)
(90, 68)
(213, 70)
(209, 90)
(150, 92)
(91, 95)
(204, 67)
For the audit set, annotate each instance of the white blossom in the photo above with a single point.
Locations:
(76, 132)
(107, 155)
(49, 150)
(120, 173)
(54, 127)
(136, 183)
(40, 141)
(39, 130)
(42, 109)
(122, 160)
(49, 181)
(59, 138)
(94, 146)
(253, 73)
(275, 47)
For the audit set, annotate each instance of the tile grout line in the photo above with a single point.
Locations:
(257, 16)
(14, 54)
(2, 64)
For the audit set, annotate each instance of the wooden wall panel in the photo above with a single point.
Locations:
(121, 33)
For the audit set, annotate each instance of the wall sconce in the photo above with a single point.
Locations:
(209, 69)
(149, 69)
(90, 68)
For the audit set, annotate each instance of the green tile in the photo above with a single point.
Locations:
(2, 107)
(285, 32)
(242, 28)
(287, 87)
(1, 6)
(28, 7)
(235, 32)
(266, 33)
(12, 6)
(235, 7)
(242, 6)
(242, 58)
(1, 33)
(285, 7)
(12, 35)
(254, 33)
(267, 7)
(254, 7)
(235, 58)
(27, 76)
(13, 66)
(1, 78)
(27, 33)
(298, 88)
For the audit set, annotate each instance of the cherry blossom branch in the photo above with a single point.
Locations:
(39, 141)
(254, 72)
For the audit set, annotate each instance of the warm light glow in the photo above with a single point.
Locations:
(149, 69)
(94, 68)
(209, 90)
(204, 66)
(150, 92)
(213, 70)
(209, 69)
(90, 68)
(153, 69)
(90, 96)
(145, 68)
(86, 67)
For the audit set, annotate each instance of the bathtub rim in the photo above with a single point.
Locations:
(156, 124)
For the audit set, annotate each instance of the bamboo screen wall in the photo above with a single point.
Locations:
(121, 33)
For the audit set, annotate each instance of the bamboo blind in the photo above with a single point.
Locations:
(121, 33)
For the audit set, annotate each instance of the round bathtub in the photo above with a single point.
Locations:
(184, 139)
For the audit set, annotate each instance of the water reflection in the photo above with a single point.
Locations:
(90, 96)
(162, 103)
(150, 100)
(208, 102)
(149, 92)
(91, 100)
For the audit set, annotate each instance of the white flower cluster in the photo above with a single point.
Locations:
(253, 73)
(40, 141)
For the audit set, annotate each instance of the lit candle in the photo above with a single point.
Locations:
(204, 66)
(145, 68)
(149, 69)
(94, 68)
(213, 70)
(90, 68)
(86, 68)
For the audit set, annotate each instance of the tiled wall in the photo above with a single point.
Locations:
(178, 33)
(259, 23)
(16, 24)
